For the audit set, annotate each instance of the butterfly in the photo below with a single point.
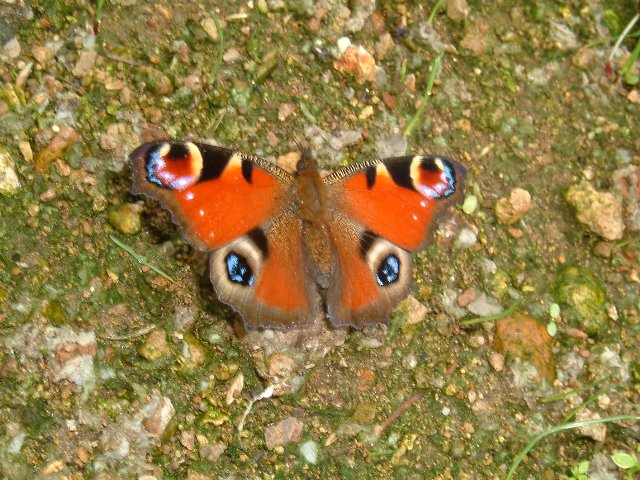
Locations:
(288, 249)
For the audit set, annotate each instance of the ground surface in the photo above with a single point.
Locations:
(110, 370)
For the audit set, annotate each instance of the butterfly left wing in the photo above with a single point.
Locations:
(383, 210)
(237, 207)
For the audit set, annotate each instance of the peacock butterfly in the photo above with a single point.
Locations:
(287, 249)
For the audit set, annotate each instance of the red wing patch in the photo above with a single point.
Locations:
(214, 194)
(399, 199)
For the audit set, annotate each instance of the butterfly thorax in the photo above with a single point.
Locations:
(310, 195)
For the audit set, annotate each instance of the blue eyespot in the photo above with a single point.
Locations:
(238, 270)
(154, 162)
(389, 271)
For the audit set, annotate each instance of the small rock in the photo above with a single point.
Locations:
(280, 364)
(362, 10)
(450, 304)
(600, 211)
(416, 311)
(211, 452)
(383, 45)
(582, 297)
(626, 184)
(71, 355)
(288, 161)
(604, 249)
(393, 146)
(564, 37)
(42, 54)
(510, 210)
(389, 101)
(309, 451)
(483, 305)
(358, 62)
(457, 10)
(126, 218)
(188, 439)
(235, 389)
(585, 59)
(209, 26)
(159, 83)
(26, 151)
(524, 337)
(11, 49)
(85, 63)
(183, 316)
(466, 238)
(345, 138)
(597, 432)
(467, 297)
(286, 431)
(158, 413)
(496, 360)
(9, 183)
(125, 96)
(284, 110)
(155, 346)
(232, 55)
(56, 148)
(193, 351)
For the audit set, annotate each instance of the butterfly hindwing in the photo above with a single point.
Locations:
(374, 275)
(263, 275)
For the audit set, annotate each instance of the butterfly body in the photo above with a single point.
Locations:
(288, 249)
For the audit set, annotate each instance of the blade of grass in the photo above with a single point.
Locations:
(434, 11)
(589, 386)
(216, 66)
(142, 260)
(494, 317)
(435, 66)
(559, 428)
(621, 38)
(99, 8)
(586, 403)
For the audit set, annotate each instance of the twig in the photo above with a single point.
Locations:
(266, 393)
(216, 66)
(142, 260)
(118, 58)
(425, 99)
(398, 411)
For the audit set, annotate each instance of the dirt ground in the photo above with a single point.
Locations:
(117, 360)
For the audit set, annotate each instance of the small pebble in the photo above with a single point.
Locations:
(286, 431)
(155, 346)
(9, 183)
(511, 209)
(309, 451)
(126, 218)
(358, 62)
(601, 212)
